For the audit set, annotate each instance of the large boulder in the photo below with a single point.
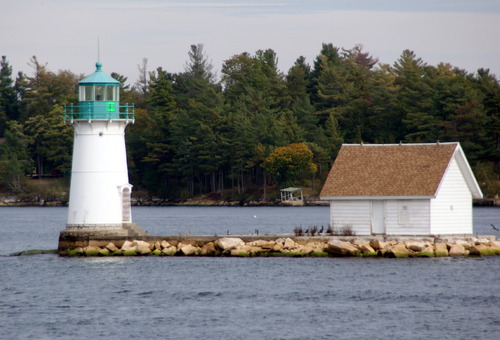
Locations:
(129, 246)
(464, 243)
(367, 249)
(441, 249)
(457, 249)
(307, 249)
(278, 247)
(264, 244)
(157, 246)
(428, 251)
(143, 248)
(481, 250)
(111, 247)
(495, 245)
(239, 252)
(92, 251)
(257, 250)
(289, 244)
(208, 249)
(189, 249)
(398, 250)
(170, 250)
(340, 248)
(377, 244)
(228, 243)
(416, 246)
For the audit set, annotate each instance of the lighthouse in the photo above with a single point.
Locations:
(99, 197)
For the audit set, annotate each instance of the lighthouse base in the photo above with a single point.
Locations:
(72, 238)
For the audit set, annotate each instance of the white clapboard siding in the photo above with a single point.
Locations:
(407, 217)
(354, 213)
(451, 210)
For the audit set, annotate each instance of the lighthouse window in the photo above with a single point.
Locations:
(99, 93)
(110, 93)
(86, 93)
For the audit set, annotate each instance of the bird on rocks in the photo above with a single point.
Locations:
(321, 230)
(307, 231)
(494, 228)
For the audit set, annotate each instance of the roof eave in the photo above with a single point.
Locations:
(467, 172)
(354, 198)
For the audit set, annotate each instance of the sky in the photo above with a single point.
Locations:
(64, 34)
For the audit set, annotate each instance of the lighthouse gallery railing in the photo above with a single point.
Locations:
(85, 111)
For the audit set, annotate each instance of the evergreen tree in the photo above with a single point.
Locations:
(489, 87)
(196, 134)
(15, 163)
(8, 96)
(297, 81)
(50, 141)
(150, 137)
(414, 98)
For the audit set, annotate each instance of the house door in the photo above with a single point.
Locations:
(378, 217)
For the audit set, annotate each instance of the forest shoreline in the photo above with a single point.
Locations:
(15, 201)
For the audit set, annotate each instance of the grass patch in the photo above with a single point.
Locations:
(319, 254)
(487, 252)
(104, 252)
(425, 254)
(293, 254)
(91, 252)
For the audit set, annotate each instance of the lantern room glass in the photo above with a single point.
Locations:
(99, 93)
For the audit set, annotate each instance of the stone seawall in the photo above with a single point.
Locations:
(94, 244)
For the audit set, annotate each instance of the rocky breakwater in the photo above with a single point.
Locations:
(298, 247)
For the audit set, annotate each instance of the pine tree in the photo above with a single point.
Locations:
(8, 97)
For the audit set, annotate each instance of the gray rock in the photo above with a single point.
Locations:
(111, 247)
(457, 250)
(228, 243)
(417, 246)
(128, 246)
(341, 248)
(189, 249)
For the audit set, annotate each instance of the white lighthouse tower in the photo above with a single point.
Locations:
(100, 192)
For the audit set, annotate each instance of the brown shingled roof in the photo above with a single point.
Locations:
(388, 170)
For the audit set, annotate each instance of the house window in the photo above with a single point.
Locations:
(404, 214)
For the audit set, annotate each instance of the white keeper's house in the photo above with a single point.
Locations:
(401, 189)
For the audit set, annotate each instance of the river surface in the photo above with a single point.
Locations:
(51, 297)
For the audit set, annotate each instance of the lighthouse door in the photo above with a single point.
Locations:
(126, 205)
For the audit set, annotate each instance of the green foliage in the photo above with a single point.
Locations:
(50, 141)
(15, 162)
(8, 96)
(230, 138)
(290, 164)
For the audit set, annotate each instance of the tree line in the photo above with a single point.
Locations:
(255, 127)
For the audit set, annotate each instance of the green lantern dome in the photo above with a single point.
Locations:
(99, 96)
(99, 77)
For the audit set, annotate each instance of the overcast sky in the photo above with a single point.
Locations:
(64, 33)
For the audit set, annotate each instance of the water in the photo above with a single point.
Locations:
(49, 297)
